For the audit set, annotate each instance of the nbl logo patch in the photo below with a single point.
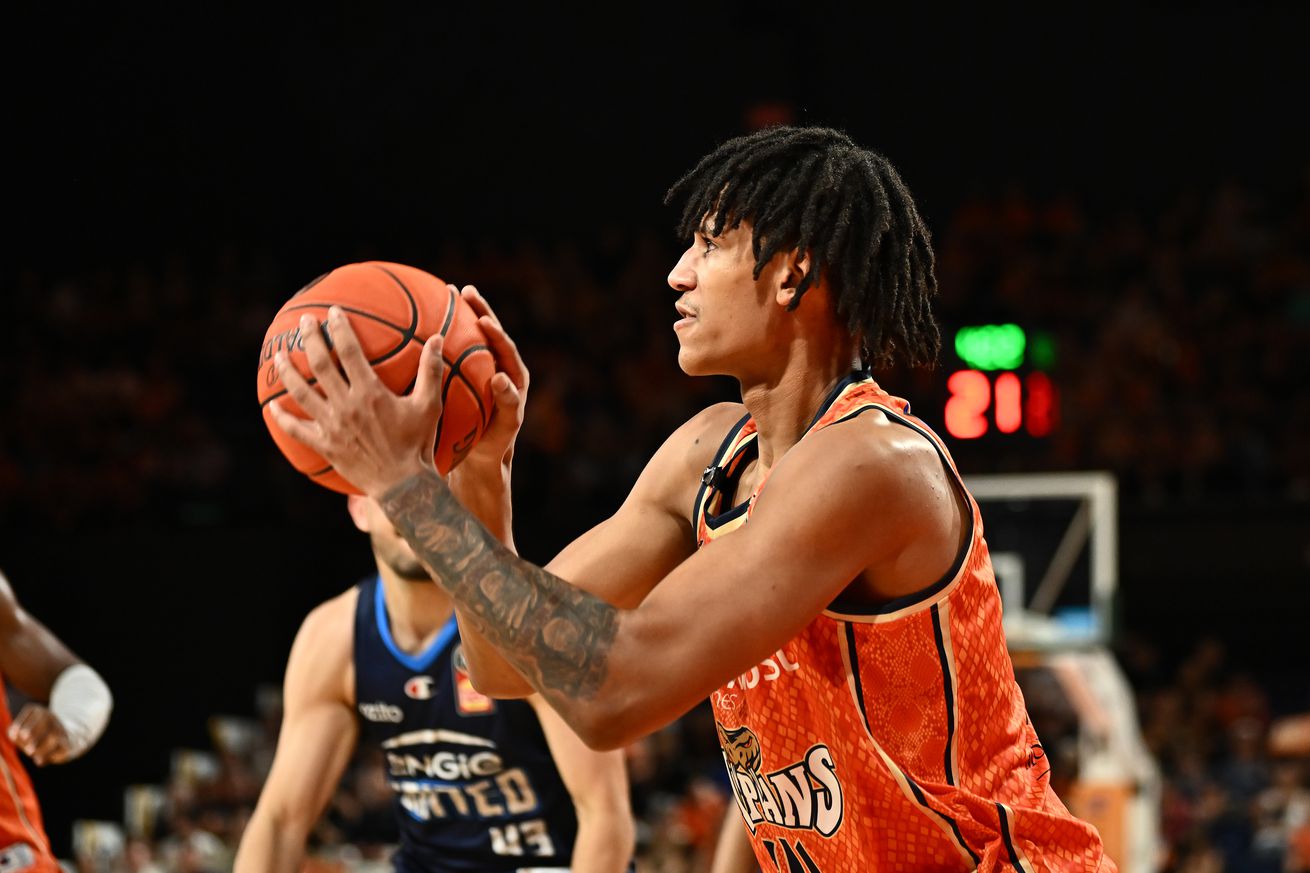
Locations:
(468, 700)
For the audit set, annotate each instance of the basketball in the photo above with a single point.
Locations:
(393, 309)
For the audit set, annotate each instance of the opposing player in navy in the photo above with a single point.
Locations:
(479, 785)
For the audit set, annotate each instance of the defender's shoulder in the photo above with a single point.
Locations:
(331, 623)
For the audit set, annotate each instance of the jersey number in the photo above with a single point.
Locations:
(796, 859)
(522, 838)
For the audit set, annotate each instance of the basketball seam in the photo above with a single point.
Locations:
(408, 334)
(455, 371)
(450, 312)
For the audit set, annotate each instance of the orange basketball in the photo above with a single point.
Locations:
(393, 309)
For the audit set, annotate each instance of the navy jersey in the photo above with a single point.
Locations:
(475, 786)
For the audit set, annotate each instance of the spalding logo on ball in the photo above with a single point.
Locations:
(393, 309)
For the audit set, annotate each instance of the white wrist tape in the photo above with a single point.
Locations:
(81, 701)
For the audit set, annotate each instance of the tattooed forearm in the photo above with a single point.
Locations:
(557, 635)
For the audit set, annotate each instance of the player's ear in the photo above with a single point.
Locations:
(794, 268)
(358, 507)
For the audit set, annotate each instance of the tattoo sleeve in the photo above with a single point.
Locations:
(557, 635)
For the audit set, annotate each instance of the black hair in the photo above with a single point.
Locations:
(812, 189)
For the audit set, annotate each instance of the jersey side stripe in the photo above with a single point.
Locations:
(941, 636)
(908, 787)
(1016, 857)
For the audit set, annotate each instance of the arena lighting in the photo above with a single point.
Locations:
(1003, 389)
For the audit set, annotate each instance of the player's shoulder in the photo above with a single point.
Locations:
(8, 599)
(331, 624)
(698, 440)
(869, 450)
(321, 666)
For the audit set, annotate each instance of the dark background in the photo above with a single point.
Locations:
(255, 152)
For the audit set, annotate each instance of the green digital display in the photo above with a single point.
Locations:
(991, 346)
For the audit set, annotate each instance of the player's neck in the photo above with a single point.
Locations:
(783, 402)
(416, 611)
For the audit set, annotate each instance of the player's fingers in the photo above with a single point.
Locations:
(507, 415)
(298, 388)
(473, 297)
(431, 366)
(349, 352)
(506, 353)
(300, 430)
(20, 728)
(48, 744)
(320, 357)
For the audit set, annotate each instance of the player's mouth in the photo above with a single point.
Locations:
(688, 315)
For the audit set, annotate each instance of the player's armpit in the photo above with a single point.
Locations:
(318, 736)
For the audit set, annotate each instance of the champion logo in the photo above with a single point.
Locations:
(419, 688)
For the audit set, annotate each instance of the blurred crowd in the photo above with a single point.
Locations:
(1236, 779)
(129, 391)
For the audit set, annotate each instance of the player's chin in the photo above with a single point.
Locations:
(692, 363)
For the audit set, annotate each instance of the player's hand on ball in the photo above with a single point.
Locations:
(41, 736)
(509, 386)
(372, 436)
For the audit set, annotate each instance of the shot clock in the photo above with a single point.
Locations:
(1003, 386)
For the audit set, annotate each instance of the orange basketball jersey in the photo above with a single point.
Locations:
(23, 843)
(895, 739)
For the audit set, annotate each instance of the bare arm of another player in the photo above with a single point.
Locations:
(598, 784)
(318, 736)
(734, 854)
(624, 557)
(39, 665)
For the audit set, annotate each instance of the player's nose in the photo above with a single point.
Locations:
(682, 277)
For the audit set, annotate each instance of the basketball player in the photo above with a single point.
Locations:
(77, 708)
(809, 559)
(479, 784)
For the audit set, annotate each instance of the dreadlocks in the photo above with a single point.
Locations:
(812, 189)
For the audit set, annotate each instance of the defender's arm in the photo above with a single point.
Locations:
(318, 735)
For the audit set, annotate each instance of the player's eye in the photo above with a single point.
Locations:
(709, 245)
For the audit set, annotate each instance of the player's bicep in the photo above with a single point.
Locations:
(624, 557)
(31, 656)
(745, 596)
(319, 729)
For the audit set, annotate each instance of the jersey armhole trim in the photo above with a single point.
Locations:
(925, 597)
(702, 493)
